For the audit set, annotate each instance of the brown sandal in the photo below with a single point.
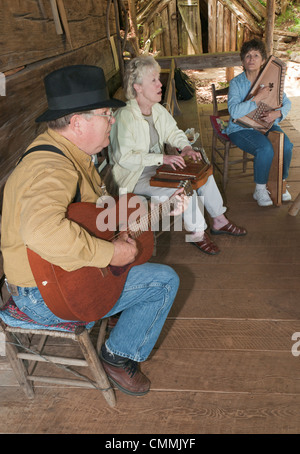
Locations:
(229, 229)
(207, 246)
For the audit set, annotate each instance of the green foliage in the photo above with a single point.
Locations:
(290, 20)
(223, 84)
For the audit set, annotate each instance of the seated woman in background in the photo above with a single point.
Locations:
(253, 56)
(138, 136)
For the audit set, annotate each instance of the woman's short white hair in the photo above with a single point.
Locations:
(135, 71)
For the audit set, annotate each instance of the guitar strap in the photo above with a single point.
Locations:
(54, 149)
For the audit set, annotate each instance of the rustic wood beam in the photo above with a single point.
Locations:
(239, 35)
(202, 61)
(227, 39)
(173, 27)
(64, 19)
(133, 25)
(286, 33)
(233, 32)
(195, 40)
(262, 10)
(157, 10)
(250, 7)
(270, 26)
(166, 41)
(284, 4)
(151, 38)
(220, 27)
(212, 25)
(144, 12)
(56, 18)
(242, 15)
(119, 39)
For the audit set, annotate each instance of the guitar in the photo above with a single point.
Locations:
(88, 293)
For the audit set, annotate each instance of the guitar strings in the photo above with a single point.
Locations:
(152, 215)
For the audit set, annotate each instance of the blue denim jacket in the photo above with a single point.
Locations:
(239, 88)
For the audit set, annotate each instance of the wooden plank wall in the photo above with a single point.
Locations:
(161, 15)
(189, 27)
(31, 48)
(192, 27)
(230, 24)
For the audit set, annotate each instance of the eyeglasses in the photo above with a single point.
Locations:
(109, 116)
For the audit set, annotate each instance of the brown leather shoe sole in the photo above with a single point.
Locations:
(136, 385)
(230, 229)
(207, 246)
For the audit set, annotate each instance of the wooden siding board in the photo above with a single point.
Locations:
(212, 25)
(27, 36)
(220, 27)
(26, 90)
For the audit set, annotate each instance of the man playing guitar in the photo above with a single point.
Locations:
(56, 174)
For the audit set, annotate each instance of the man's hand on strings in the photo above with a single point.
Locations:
(181, 202)
(125, 250)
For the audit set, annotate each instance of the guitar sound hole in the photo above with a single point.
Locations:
(118, 270)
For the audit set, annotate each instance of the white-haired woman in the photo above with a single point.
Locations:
(138, 136)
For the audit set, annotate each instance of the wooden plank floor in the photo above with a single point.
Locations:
(223, 363)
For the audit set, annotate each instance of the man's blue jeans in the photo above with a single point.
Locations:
(258, 145)
(144, 304)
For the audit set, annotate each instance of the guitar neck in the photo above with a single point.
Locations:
(157, 212)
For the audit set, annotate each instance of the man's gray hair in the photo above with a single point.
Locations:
(62, 122)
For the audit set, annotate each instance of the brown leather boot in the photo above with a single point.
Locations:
(125, 374)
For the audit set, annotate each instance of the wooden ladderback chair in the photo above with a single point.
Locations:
(221, 144)
(26, 347)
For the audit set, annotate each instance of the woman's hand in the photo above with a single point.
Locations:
(188, 151)
(174, 160)
(262, 94)
(270, 116)
(125, 250)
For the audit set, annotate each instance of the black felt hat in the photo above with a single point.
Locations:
(76, 88)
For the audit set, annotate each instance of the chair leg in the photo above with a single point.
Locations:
(39, 350)
(244, 161)
(101, 335)
(94, 362)
(213, 150)
(17, 365)
(225, 165)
